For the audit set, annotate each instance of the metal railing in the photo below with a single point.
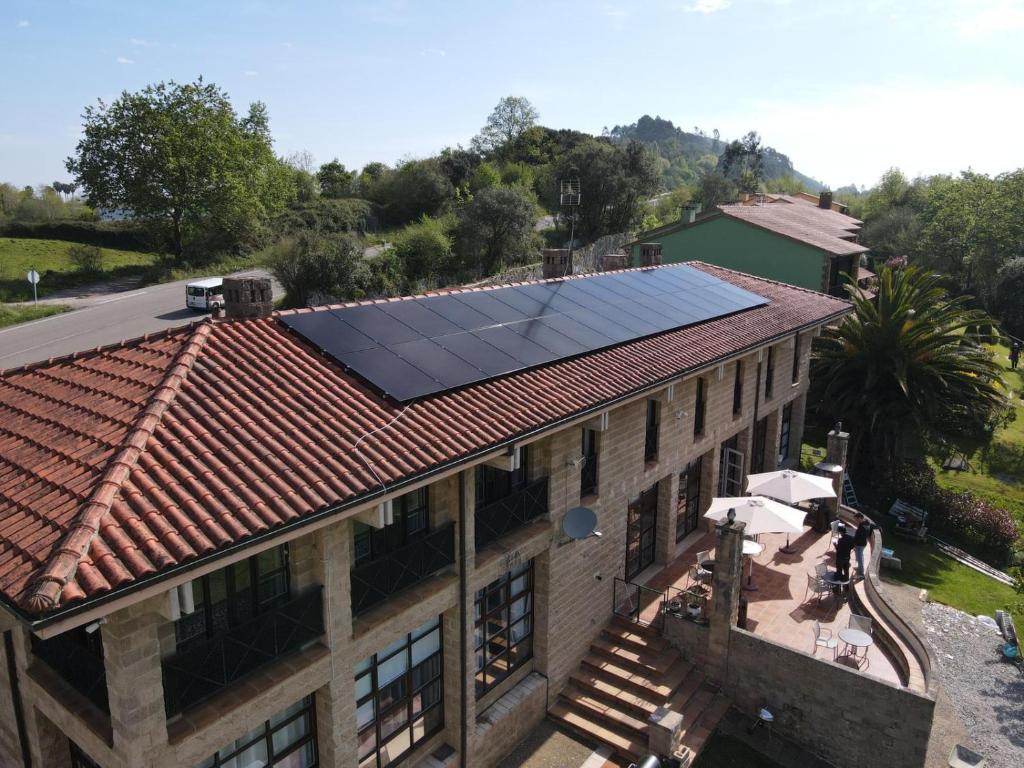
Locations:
(678, 602)
(208, 667)
(515, 510)
(376, 581)
(639, 604)
(77, 665)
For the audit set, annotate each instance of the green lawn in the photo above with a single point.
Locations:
(50, 259)
(13, 314)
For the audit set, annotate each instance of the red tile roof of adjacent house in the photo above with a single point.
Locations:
(820, 228)
(121, 464)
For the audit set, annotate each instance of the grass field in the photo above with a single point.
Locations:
(14, 314)
(50, 259)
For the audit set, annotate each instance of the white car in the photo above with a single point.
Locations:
(205, 295)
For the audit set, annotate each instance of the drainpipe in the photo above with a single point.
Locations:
(463, 626)
(19, 712)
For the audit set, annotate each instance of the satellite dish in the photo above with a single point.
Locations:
(579, 523)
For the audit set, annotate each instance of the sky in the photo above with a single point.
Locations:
(846, 88)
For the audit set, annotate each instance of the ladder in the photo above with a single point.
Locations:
(849, 495)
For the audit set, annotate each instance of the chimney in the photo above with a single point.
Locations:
(557, 262)
(611, 261)
(650, 254)
(825, 199)
(248, 297)
(690, 212)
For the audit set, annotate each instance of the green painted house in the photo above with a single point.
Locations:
(789, 239)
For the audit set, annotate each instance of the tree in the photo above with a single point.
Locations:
(905, 376)
(743, 162)
(314, 269)
(1008, 303)
(415, 188)
(495, 229)
(484, 176)
(179, 154)
(334, 180)
(424, 249)
(510, 118)
(716, 189)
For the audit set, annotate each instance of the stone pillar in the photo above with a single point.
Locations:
(665, 540)
(726, 586)
(838, 442)
(131, 654)
(466, 682)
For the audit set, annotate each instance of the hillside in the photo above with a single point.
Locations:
(683, 156)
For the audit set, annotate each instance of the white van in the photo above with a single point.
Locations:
(205, 294)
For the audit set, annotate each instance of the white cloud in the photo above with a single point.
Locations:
(23, 23)
(125, 60)
(141, 42)
(980, 19)
(434, 52)
(251, 73)
(708, 6)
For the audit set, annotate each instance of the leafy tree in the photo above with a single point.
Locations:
(415, 188)
(313, 268)
(484, 176)
(179, 154)
(517, 174)
(1008, 303)
(424, 249)
(495, 229)
(508, 121)
(716, 189)
(904, 376)
(743, 162)
(334, 180)
(458, 164)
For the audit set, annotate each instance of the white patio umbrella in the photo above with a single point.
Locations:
(790, 486)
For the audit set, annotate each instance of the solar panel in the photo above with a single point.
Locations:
(429, 344)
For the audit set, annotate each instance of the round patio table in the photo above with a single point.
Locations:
(751, 549)
(838, 585)
(856, 639)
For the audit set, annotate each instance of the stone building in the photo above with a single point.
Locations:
(221, 545)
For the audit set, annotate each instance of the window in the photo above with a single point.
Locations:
(651, 436)
(796, 358)
(698, 409)
(233, 595)
(503, 633)
(493, 484)
(737, 390)
(688, 500)
(287, 740)
(787, 417)
(588, 472)
(769, 374)
(399, 696)
(412, 518)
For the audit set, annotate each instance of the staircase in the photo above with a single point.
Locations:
(629, 672)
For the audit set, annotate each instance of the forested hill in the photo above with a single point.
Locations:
(683, 157)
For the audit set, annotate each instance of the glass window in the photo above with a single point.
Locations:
(399, 696)
(287, 740)
(699, 407)
(651, 435)
(412, 521)
(226, 598)
(503, 636)
(787, 418)
(588, 472)
(769, 374)
(796, 358)
(688, 500)
(493, 484)
(737, 390)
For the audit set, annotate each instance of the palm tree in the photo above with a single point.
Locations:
(907, 374)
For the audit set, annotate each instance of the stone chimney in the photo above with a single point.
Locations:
(248, 297)
(834, 465)
(825, 199)
(557, 262)
(690, 213)
(611, 261)
(650, 254)
(726, 586)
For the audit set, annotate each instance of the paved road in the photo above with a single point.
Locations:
(105, 318)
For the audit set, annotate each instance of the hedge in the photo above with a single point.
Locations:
(123, 235)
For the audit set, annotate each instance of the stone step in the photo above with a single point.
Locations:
(635, 627)
(622, 744)
(628, 637)
(697, 735)
(643, 661)
(695, 708)
(659, 686)
(691, 684)
(637, 703)
(608, 714)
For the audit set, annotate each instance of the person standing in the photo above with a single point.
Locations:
(843, 549)
(1014, 355)
(860, 539)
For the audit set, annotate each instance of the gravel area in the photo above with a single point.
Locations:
(987, 693)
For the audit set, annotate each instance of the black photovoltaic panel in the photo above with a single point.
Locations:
(421, 346)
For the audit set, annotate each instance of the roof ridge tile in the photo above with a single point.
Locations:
(45, 593)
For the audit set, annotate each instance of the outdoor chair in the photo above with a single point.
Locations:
(823, 639)
(863, 623)
(697, 575)
(821, 570)
(816, 586)
(834, 526)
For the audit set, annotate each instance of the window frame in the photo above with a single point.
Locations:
(737, 390)
(700, 407)
(796, 359)
(275, 758)
(688, 504)
(408, 697)
(652, 430)
(482, 616)
(769, 374)
(589, 450)
(785, 432)
(487, 479)
(382, 541)
(210, 624)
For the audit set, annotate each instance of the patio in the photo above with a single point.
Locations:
(778, 610)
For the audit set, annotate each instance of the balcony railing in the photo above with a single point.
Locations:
(208, 667)
(515, 510)
(376, 581)
(80, 667)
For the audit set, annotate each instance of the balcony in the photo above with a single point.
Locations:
(376, 581)
(517, 509)
(208, 667)
(76, 664)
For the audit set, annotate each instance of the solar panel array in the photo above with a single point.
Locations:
(421, 346)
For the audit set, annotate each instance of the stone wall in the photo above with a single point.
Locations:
(509, 720)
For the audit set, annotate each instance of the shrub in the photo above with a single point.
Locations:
(980, 527)
(125, 235)
(424, 249)
(86, 258)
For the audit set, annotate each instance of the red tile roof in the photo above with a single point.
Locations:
(123, 463)
(827, 230)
